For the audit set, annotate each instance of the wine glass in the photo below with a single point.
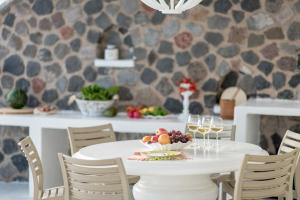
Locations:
(204, 127)
(217, 127)
(192, 125)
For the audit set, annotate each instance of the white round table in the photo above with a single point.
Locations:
(177, 180)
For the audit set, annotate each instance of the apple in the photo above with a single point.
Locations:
(161, 131)
(154, 138)
(130, 114)
(136, 114)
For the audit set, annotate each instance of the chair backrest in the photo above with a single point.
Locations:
(291, 141)
(82, 137)
(266, 176)
(35, 164)
(94, 179)
(228, 133)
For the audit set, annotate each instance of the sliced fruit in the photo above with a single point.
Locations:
(147, 138)
(164, 139)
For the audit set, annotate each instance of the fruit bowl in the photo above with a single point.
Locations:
(167, 141)
(167, 147)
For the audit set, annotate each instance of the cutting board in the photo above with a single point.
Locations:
(234, 93)
(11, 111)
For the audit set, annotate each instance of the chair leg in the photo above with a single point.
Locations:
(289, 196)
(223, 195)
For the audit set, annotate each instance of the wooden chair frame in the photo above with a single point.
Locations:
(266, 176)
(36, 168)
(290, 141)
(82, 137)
(94, 179)
(86, 136)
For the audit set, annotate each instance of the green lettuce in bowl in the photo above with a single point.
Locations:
(94, 99)
(98, 93)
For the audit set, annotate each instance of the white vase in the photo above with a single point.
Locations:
(111, 53)
(185, 113)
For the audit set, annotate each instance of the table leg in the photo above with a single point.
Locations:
(175, 187)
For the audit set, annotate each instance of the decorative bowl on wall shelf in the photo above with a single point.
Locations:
(121, 63)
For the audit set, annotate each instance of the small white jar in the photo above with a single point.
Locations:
(111, 53)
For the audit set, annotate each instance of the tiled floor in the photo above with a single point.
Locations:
(14, 191)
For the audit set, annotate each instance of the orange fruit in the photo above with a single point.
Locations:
(147, 138)
(164, 139)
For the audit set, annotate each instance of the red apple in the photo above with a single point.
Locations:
(161, 131)
(154, 138)
(136, 114)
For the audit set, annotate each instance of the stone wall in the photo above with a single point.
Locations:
(13, 165)
(274, 128)
(47, 47)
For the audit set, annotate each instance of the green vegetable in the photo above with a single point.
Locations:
(110, 112)
(97, 93)
(158, 111)
(16, 98)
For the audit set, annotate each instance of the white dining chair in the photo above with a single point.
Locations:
(86, 136)
(36, 167)
(94, 179)
(263, 177)
(290, 142)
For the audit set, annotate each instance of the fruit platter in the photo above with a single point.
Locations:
(165, 155)
(152, 112)
(45, 110)
(167, 141)
(157, 155)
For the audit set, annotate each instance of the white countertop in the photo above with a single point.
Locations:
(278, 107)
(247, 116)
(121, 123)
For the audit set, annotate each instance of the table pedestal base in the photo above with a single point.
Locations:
(175, 188)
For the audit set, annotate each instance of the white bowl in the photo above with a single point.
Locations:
(168, 147)
(93, 108)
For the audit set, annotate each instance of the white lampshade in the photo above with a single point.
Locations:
(171, 6)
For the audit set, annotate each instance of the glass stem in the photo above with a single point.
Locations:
(217, 142)
(204, 142)
(208, 141)
(195, 142)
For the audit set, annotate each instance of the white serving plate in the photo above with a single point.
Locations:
(167, 147)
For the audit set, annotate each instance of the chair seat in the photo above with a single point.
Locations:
(56, 193)
(133, 179)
